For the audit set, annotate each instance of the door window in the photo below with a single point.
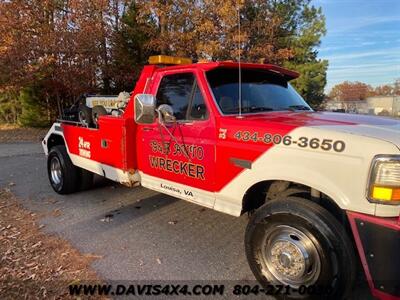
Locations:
(182, 93)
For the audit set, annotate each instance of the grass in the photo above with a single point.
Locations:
(33, 264)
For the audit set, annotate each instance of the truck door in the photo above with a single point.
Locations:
(180, 159)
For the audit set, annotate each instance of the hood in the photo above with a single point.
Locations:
(382, 128)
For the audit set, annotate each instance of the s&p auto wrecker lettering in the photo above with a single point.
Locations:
(191, 151)
(179, 167)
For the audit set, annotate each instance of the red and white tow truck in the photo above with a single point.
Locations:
(322, 189)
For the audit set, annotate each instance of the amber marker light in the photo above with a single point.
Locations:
(169, 60)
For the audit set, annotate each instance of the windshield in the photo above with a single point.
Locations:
(261, 91)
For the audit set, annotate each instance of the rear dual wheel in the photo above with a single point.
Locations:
(64, 177)
(295, 243)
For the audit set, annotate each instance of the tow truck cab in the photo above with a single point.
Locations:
(311, 180)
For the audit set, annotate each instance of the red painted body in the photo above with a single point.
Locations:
(122, 134)
(120, 151)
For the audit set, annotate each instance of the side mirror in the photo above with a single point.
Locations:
(145, 108)
(166, 114)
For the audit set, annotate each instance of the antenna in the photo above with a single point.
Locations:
(240, 62)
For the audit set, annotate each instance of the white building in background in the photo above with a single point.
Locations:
(377, 105)
(384, 105)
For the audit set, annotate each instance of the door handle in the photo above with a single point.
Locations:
(147, 129)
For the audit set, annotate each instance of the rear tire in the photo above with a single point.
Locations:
(98, 111)
(63, 175)
(85, 115)
(295, 242)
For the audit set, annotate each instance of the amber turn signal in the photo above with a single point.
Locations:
(382, 193)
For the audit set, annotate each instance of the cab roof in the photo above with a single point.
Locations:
(207, 66)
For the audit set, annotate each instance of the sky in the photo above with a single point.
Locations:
(362, 41)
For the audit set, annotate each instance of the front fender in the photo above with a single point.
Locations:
(341, 176)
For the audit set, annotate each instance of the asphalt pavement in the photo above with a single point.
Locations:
(139, 235)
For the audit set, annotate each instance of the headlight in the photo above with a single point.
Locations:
(384, 181)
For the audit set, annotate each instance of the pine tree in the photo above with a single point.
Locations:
(32, 114)
(129, 53)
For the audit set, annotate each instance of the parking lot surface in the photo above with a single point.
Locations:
(138, 234)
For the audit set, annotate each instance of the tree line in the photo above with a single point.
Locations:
(352, 91)
(52, 51)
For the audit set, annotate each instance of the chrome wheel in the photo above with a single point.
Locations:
(290, 256)
(55, 171)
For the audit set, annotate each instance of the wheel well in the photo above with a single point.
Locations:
(54, 140)
(264, 191)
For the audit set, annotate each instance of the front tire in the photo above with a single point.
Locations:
(297, 243)
(63, 175)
